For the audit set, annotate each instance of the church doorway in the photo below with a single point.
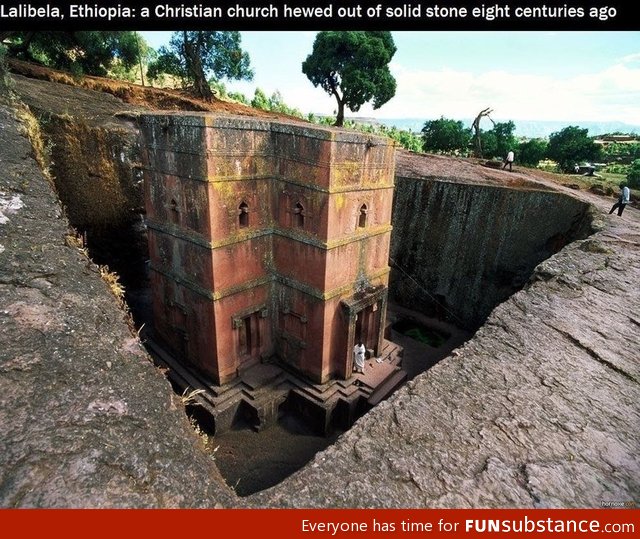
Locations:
(368, 326)
(365, 313)
(248, 339)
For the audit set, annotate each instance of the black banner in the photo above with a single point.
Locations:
(320, 15)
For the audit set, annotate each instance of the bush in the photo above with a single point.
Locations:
(633, 176)
(532, 152)
(616, 168)
(239, 97)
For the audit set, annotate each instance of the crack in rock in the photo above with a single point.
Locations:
(592, 353)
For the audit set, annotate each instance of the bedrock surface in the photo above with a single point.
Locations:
(86, 419)
(539, 409)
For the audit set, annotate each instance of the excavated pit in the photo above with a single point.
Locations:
(428, 329)
(462, 243)
(251, 461)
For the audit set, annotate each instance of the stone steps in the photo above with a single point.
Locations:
(266, 386)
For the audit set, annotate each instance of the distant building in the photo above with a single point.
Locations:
(605, 140)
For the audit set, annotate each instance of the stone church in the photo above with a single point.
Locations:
(266, 239)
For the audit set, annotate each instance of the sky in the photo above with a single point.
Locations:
(563, 76)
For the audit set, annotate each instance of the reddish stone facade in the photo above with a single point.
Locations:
(266, 239)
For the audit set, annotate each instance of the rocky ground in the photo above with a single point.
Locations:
(131, 96)
(86, 419)
(540, 409)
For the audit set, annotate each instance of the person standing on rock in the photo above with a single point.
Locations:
(623, 200)
(509, 161)
(359, 352)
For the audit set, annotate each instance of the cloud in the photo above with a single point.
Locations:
(610, 94)
(630, 58)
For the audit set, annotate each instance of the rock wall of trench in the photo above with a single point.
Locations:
(86, 419)
(94, 172)
(92, 152)
(460, 249)
(94, 156)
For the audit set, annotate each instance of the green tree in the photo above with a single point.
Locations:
(633, 176)
(146, 54)
(353, 67)
(499, 140)
(239, 97)
(260, 100)
(195, 56)
(446, 136)
(91, 53)
(277, 104)
(531, 152)
(505, 139)
(570, 146)
(407, 139)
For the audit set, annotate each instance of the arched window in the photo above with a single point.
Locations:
(243, 215)
(298, 215)
(174, 213)
(362, 218)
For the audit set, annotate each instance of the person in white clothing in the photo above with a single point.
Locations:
(359, 352)
(623, 199)
(509, 160)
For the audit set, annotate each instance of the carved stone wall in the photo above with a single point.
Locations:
(257, 231)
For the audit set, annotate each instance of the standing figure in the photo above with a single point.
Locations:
(359, 352)
(509, 160)
(623, 199)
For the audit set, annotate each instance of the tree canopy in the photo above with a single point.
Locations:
(570, 146)
(91, 53)
(497, 142)
(196, 56)
(445, 135)
(633, 177)
(531, 152)
(353, 67)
